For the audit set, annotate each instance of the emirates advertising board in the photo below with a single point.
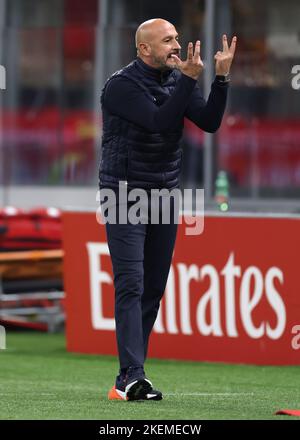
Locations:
(233, 292)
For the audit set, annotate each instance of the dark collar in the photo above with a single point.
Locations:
(151, 72)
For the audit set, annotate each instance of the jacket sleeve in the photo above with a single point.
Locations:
(208, 115)
(126, 99)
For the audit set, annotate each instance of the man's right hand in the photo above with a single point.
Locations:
(193, 65)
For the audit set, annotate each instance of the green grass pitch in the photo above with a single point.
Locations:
(40, 380)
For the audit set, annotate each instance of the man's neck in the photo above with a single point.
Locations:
(146, 62)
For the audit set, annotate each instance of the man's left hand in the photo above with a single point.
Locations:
(225, 58)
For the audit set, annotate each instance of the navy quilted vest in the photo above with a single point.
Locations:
(130, 153)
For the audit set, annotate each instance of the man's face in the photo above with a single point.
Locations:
(164, 43)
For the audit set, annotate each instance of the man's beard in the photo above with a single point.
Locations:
(161, 63)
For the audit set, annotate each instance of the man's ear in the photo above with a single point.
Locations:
(144, 49)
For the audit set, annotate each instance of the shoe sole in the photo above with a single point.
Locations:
(138, 389)
(115, 394)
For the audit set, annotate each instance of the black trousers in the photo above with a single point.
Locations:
(141, 257)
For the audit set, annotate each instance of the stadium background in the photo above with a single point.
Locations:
(57, 55)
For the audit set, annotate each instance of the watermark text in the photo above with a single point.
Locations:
(2, 77)
(296, 79)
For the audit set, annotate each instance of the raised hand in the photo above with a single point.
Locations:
(193, 65)
(225, 58)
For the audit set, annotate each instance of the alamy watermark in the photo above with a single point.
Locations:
(296, 339)
(2, 338)
(157, 206)
(296, 79)
(2, 77)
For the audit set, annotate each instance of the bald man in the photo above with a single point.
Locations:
(143, 106)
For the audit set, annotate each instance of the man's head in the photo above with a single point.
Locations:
(155, 41)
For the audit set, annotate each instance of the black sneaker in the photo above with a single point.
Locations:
(137, 385)
(133, 386)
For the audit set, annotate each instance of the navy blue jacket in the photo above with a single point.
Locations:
(143, 112)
